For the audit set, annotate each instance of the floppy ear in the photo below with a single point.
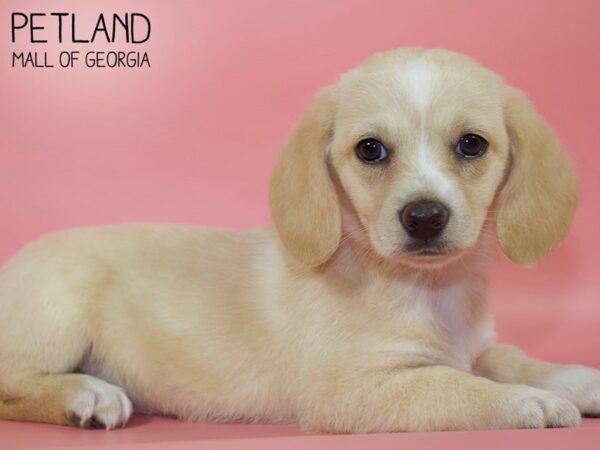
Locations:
(304, 204)
(537, 202)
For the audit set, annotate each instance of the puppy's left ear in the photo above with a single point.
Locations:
(304, 203)
(537, 202)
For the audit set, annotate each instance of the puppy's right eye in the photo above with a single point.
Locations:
(471, 146)
(371, 151)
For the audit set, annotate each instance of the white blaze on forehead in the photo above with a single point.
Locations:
(419, 78)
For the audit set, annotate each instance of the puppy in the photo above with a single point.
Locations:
(362, 310)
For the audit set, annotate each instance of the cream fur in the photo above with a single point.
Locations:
(321, 319)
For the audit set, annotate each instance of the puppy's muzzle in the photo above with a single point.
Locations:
(424, 220)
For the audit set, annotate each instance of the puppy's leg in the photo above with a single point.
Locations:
(508, 364)
(44, 337)
(36, 384)
(432, 398)
(75, 399)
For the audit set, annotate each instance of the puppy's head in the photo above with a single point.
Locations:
(420, 144)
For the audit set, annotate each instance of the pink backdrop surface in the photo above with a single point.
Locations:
(193, 138)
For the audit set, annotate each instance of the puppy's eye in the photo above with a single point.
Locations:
(471, 146)
(371, 151)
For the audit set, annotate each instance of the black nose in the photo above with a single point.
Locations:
(424, 220)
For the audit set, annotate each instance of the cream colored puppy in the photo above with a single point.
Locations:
(363, 310)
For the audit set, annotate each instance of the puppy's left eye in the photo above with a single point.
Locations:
(471, 146)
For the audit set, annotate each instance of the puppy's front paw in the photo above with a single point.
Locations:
(99, 405)
(581, 385)
(528, 407)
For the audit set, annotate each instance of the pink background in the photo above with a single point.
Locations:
(193, 138)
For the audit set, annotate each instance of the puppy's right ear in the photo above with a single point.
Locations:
(304, 204)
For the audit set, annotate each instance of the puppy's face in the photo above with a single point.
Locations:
(421, 143)
(419, 147)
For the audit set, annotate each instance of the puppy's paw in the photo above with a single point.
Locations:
(581, 385)
(528, 407)
(99, 405)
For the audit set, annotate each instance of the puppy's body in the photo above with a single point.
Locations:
(343, 317)
(208, 324)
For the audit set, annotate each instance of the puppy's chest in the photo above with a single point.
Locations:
(443, 324)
